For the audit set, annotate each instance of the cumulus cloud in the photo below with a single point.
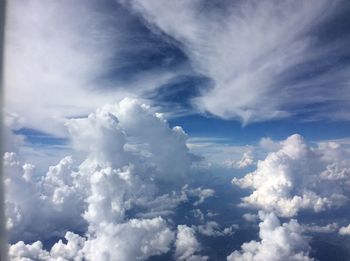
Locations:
(187, 245)
(197, 213)
(255, 53)
(201, 193)
(291, 179)
(136, 239)
(57, 202)
(104, 214)
(213, 229)
(21, 251)
(344, 230)
(123, 165)
(246, 160)
(112, 192)
(277, 242)
(115, 192)
(59, 251)
(125, 139)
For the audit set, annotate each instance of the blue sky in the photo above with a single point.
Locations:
(261, 90)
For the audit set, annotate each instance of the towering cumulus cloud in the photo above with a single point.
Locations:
(293, 178)
(128, 149)
(278, 242)
(296, 177)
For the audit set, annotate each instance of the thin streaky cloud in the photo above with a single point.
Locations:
(253, 50)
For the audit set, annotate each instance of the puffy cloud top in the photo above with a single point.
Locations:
(128, 149)
(115, 133)
(285, 181)
(278, 242)
(186, 244)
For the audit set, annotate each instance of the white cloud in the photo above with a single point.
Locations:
(333, 172)
(111, 193)
(269, 144)
(291, 179)
(210, 228)
(213, 229)
(123, 164)
(251, 50)
(22, 252)
(246, 160)
(23, 192)
(221, 152)
(114, 188)
(277, 242)
(153, 145)
(59, 251)
(201, 193)
(162, 205)
(136, 239)
(55, 56)
(186, 244)
(198, 214)
(11, 141)
(46, 57)
(230, 230)
(250, 217)
(72, 250)
(321, 229)
(211, 214)
(344, 230)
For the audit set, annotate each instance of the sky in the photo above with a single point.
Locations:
(177, 130)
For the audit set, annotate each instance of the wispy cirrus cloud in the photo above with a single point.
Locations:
(267, 59)
(63, 59)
